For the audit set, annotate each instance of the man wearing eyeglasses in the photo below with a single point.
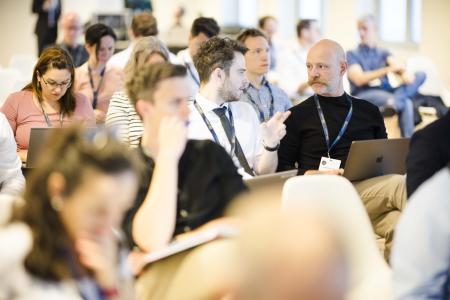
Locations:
(266, 98)
(72, 29)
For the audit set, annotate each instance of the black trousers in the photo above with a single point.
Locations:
(46, 38)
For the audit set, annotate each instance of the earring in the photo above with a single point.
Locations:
(57, 203)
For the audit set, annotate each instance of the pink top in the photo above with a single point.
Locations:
(23, 114)
(113, 81)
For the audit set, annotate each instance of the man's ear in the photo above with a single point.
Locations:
(218, 75)
(343, 68)
(143, 108)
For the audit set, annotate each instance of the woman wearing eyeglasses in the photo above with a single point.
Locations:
(48, 101)
(95, 79)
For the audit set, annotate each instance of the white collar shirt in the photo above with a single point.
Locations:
(246, 124)
(120, 59)
(186, 60)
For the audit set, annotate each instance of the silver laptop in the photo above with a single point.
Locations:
(274, 180)
(38, 137)
(371, 158)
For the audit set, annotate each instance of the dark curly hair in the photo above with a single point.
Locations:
(216, 53)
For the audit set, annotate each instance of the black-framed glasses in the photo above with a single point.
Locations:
(53, 85)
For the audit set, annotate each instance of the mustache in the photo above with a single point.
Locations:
(314, 81)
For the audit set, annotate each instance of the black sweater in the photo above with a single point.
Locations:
(429, 152)
(207, 182)
(304, 143)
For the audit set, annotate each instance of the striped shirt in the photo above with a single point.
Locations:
(122, 115)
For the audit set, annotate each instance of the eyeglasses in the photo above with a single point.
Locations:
(53, 85)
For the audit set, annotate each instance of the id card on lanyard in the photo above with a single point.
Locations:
(271, 107)
(327, 163)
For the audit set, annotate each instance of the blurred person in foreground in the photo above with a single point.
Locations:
(73, 207)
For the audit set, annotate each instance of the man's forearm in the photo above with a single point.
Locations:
(155, 220)
(267, 162)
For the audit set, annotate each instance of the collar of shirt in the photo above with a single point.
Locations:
(186, 57)
(297, 47)
(207, 105)
(264, 82)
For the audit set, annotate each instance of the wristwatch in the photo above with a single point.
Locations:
(271, 149)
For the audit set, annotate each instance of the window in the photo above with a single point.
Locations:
(400, 20)
(307, 9)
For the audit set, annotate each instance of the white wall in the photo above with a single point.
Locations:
(16, 28)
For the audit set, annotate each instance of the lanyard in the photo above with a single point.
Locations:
(95, 92)
(213, 132)
(47, 119)
(271, 108)
(324, 124)
(191, 73)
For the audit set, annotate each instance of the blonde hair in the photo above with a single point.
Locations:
(144, 81)
(144, 48)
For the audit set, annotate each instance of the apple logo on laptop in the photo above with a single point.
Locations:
(379, 159)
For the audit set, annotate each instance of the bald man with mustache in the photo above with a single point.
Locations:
(320, 130)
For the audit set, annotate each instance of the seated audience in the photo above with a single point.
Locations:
(369, 66)
(49, 100)
(12, 181)
(291, 68)
(143, 25)
(218, 115)
(202, 30)
(421, 253)
(74, 204)
(187, 183)
(95, 79)
(269, 25)
(72, 30)
(266, 98)
(324, 126)
(121, 112)
(429, 151)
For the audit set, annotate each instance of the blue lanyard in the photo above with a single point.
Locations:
(271, 108)
(95, 92)
(324, 124)
(213, 132)
(191, 73)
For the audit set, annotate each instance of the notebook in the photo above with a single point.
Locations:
(196, 239)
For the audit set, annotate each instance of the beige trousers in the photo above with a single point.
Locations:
(384, 198)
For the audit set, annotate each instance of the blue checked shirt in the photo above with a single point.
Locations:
(260, 99)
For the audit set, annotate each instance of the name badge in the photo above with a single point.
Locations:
(327, 163)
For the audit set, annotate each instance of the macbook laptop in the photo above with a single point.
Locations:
(274, 180)
(371, 158)
(37, 140)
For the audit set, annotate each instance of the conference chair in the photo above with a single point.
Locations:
(335, 198)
